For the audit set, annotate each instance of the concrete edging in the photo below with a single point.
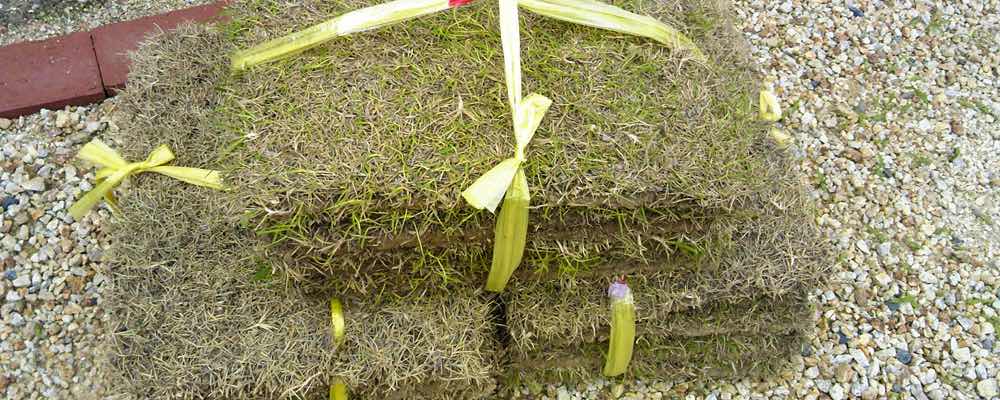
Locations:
(83, 67)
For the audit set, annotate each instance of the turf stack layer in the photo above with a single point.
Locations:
(350, 158)
(559, 330)
(752, 338)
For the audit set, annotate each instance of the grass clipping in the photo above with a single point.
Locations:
(355, 152)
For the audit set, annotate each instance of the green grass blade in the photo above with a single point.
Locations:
(352, 22)
(622, 330)
(605, 16)
(511, 233)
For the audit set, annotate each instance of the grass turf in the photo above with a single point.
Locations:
(390, 125)
(333, 143)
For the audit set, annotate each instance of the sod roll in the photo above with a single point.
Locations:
(384, 129)
(770, 248)
(361, 146)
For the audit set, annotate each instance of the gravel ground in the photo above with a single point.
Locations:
(22, 20)
(16, 12)
(52, 279)
(892, 107)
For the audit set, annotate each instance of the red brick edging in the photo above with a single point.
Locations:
(83, 67)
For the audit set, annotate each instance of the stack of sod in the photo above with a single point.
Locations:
(553, 342)
(350, 158)
(345, 165)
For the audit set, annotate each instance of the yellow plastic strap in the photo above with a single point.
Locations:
(622, 338)
(337, 324)
(338, 388)
(770, 109)
(510, 40)
(605, 16)
(510, 234)
(511, 230)
(352, 22)
(116, 169)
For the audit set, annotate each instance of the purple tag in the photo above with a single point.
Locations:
(618, 290)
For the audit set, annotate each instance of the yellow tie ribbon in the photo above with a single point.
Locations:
(115, 169)
(583, 12)
(338, 389)
(780, 138)
(487, 191)
(770, 109)
(506, 180)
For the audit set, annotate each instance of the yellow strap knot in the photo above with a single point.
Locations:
(507, 181)
(115, 169)
(487, 191)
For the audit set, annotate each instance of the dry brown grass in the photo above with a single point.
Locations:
(195, 314)
(657, 167)
(540, 319)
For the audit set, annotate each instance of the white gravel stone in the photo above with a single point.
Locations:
(36, 184)
(962, 355)
(22, 281)
(52, 329)
(987, 388)
(12, 296)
